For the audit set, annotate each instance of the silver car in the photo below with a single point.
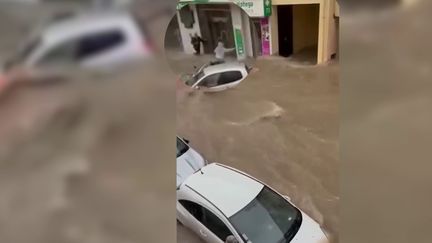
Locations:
(218, 77)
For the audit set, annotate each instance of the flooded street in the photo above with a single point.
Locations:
(279, 125)
(76, 161)
(80, 160)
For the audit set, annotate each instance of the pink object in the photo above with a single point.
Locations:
(265, 37)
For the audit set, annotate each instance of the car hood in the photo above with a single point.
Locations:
(309, 232)
(187, 164)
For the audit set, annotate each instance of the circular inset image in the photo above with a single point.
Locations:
(211, 46)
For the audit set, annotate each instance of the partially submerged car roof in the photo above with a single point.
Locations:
(83, 22)
(227, 66)
(226, 188)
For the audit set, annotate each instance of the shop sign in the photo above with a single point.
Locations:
(254, 8)
(267, 8)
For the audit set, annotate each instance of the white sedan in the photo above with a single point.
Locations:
(218, 202)
(218, 77)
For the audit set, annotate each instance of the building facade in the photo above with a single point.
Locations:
(264, 27)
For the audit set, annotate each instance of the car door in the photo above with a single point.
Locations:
(204, 222)
(193, 218)
(207, 82)
(228, 79)
(218, 228)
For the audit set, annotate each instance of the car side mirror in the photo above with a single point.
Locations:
(197, 87)
(186, 141)
(231, 239)
(287, 198)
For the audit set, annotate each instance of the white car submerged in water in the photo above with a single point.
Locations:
(218, 202)
(188, 160)
(99, 41)
(218, 76)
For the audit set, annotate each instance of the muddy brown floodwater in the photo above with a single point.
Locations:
(279, 125)
(79, 158)
(72, 155)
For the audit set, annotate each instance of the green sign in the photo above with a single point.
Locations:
(254, 8)
(239, 42)
(181, 5)
(267, 8)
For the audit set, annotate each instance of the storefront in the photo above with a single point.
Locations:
(264, 27)
(298, 26)
(243, 25)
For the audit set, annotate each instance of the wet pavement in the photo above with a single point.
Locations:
(279, 125)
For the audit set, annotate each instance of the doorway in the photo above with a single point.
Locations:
(216, 24)
(256, 37)
(285, 29)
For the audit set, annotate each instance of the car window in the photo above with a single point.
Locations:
(182, 147)
(208, 219)
(229, 77)
(210, 81)
(194, 209)
(96, 43)
(215, 225)
(63, 53)
(268, 218)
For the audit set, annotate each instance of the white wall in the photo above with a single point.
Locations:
(305, 26)
(274, 32)
(185, 33)
(236, 15)
(247, 34)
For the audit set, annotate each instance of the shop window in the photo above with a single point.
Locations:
(187, 17)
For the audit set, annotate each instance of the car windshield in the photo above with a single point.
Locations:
(195, 78)
(182, 147)
(269, 218)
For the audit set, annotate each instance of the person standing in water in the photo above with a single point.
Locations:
(196, 41)
(220, 51)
